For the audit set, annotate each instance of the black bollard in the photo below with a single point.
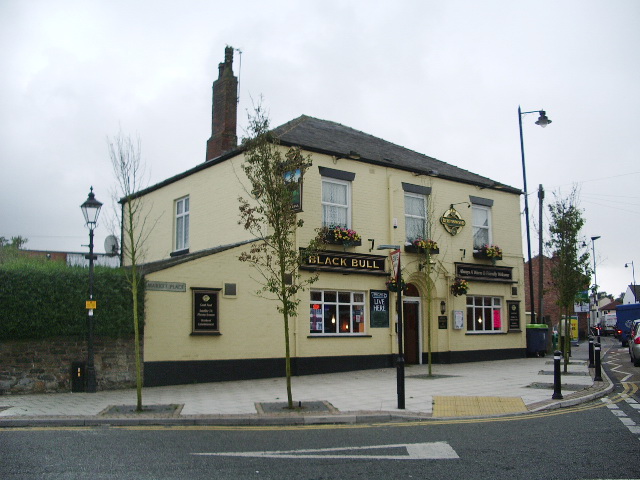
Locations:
(598, 375)
(591, 365)
(557, 387)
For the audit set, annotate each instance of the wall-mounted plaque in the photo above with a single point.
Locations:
(205, 310)
(514, 315)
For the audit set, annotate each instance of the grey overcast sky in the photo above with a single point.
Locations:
(444, 78)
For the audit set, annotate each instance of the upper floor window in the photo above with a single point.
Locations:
(481, 226)
(336, 203)
(415, 216)
(415, 211)
(182, 223)
(481, 208)
(336, 197)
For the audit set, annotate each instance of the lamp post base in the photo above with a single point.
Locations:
(400, 379)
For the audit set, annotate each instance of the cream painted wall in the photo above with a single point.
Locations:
(252, 328)
(377, 191)
(213, 217)
(249, 326)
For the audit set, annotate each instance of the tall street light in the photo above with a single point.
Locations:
(397, 274)
(633, 273)
(91, 210)
(595, 279)
(543, 121)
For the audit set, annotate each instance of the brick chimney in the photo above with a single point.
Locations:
(224, 109)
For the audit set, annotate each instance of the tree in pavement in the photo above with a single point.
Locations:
(273, 172)
(136, 225)
(570, 272)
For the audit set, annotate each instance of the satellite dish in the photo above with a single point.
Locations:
(111, 245)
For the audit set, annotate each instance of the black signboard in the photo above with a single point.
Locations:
(442, 322)
(514, 315)
(343, 262)
(485, 273)
(205, 310)
(379, 306)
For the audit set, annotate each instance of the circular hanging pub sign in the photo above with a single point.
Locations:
(452, 221)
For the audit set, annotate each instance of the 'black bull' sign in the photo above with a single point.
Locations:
(346, 263)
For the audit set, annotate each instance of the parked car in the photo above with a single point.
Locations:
(634, 343)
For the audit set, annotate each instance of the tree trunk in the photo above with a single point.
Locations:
(287, 359)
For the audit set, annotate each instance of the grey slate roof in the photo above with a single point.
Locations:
(335, 139)
(323, 136)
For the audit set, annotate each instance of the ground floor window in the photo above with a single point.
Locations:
(337, 313)
(484, 314)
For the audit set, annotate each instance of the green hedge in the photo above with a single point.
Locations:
(41, 300)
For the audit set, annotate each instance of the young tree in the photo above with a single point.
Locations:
(270, 215)
(427, 248)
(570, 273)
(129, 173)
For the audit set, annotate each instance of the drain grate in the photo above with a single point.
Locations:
(159, 410)
(298, 407)
(426, 376)
(565, 386)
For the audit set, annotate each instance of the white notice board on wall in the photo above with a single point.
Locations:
(458, 319)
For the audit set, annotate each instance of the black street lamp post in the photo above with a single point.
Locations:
(400, 358)
(91, 210)
(595, 281)
(543, 121)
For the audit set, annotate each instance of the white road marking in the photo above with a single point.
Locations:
(407, 451)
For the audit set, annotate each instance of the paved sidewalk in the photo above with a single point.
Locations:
(456, 390)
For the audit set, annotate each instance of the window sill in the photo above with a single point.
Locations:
(177, 253)
(414, 249)
(337, 335)
(486, 333)
(331, 241)
(484, 256)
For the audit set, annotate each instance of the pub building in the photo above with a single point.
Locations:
(461, 260)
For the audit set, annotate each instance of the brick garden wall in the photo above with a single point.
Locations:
(44, 366)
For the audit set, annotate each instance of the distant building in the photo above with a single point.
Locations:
(75, 259)
(632, 295)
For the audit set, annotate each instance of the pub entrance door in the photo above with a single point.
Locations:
(411, 320)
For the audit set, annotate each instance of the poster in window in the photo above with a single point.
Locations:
(205, 310)
(497, 319)
(379, 304)
(316, 318)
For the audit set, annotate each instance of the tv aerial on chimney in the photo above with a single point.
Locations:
(111, 246)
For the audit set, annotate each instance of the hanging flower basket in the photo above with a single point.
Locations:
(491, 252)
(392, 285)
(342, 236)
(459, 287)
(420, 245)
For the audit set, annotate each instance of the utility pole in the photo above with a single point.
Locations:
(540, 257)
